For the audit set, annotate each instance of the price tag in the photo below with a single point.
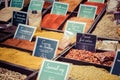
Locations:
(86, 42)
(36, 5)
(72, 28)
(45, 47)
(59, 8)
(19, 17)
(17, 3)
(100, 1)
(53, 70)
(87, 11)
(49, 0)
(24, 32)
(116, 64)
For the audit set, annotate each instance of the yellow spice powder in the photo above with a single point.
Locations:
(20, 58)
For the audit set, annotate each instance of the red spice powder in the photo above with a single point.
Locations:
(100, 6)
(88, 22)
(53, 21)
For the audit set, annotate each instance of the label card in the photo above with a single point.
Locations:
(24, 32)
(117, 17)
(72, 28)
(116, 64)
(19, 17)
(59, 8)
(17, 3)
(45, 47)
(36, 5)
(100, 1)
(86, 42)
(87, 11)
(53, 70)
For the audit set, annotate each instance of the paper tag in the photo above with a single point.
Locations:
(86, 42)
(59, 8)
(100, 1)
(19, 17)
(117, 17)
(72, 28)
(45, 47)
(53, 70)
(24, 32)
(17, 3)
(36, 5)
(87, 11)
(116, 64)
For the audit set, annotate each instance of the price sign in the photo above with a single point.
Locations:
(86, 42)
(59, 8)
(45, 47)
(53, 70)
(24, 32)
(101, 1)
(87, 11)
(19, 17)
(17, 3)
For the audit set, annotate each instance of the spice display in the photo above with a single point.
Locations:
(6, 74)
(106, 27)
(53, 21)
(100, 6)
(90, 73)
(107, 45)
(72, 4)
(6, 13)
(24, 44)
(88, 22)
(20, 58)
(35, 18)
(103, 58)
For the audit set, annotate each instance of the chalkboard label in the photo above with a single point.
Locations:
(116, 64)
(36, 5)
(45, 47)
(24, 32)
(86, 42)
(17, 3)
(72, 28)
(19, 17)
(100, 1)
(53, 70)
(59, 8)
(87, 11)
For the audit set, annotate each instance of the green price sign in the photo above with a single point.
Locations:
(49, 0)
(36, 5)
(72, 28)
(53, 70)
(17, 3)
(101, 1)
(87, 11)
(59, 8)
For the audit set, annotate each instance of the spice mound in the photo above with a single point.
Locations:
(90, 73)
(53, 21)
(103, 58)
(6, 74)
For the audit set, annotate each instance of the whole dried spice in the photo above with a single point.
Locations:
(98, 58)
(53, 21)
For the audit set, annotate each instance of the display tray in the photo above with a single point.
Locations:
(74, 14)
(31, 74)
(80, 62)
